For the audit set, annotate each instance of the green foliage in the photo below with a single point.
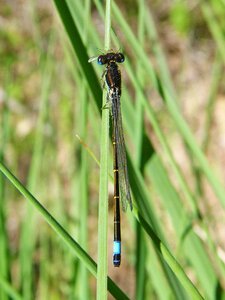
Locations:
(180, 17)
(50, 94)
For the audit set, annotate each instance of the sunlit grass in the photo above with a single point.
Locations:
(51, 93)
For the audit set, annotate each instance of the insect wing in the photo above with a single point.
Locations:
(125, 194)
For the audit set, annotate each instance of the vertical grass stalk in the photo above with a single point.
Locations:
(103, 188)
(140, 239)
(84, 292)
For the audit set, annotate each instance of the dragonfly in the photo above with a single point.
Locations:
(112, 78)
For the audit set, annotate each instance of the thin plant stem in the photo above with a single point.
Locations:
(103, 188)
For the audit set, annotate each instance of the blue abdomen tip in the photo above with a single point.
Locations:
(116, 247)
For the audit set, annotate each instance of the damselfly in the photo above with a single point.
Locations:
(122, 192)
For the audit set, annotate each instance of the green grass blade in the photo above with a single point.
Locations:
(191, 244)
(27, 240)
(80, 50)
(211, 102)
(158, 51)
(172, 108)
(103, 187)
(141, 249)
(84, 203)
(214, 27)
(4, 239)
(9, 290)
(173, 264)
(67, 239)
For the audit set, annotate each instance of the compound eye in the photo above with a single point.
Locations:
(102, 60)
(120, 58)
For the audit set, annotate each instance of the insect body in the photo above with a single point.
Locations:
(121, 182)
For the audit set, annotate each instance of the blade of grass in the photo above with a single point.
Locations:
(152, 218)
(103, 187)
(27, 235)
(197, 262)
(190, 246)
(173, 264)
(4, 240)
(9, 290)
(158, 282)
(80, 50)
(84, 292)
(164, 142)
(172, 107)
(158, 52)
(67, 239)
(216, 79)
(145, 209)
(81, 254)
(157, 176)
(44, 281)
(156, 83)
(141, 250)
(214, 27)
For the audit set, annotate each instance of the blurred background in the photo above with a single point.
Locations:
(50, 138)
